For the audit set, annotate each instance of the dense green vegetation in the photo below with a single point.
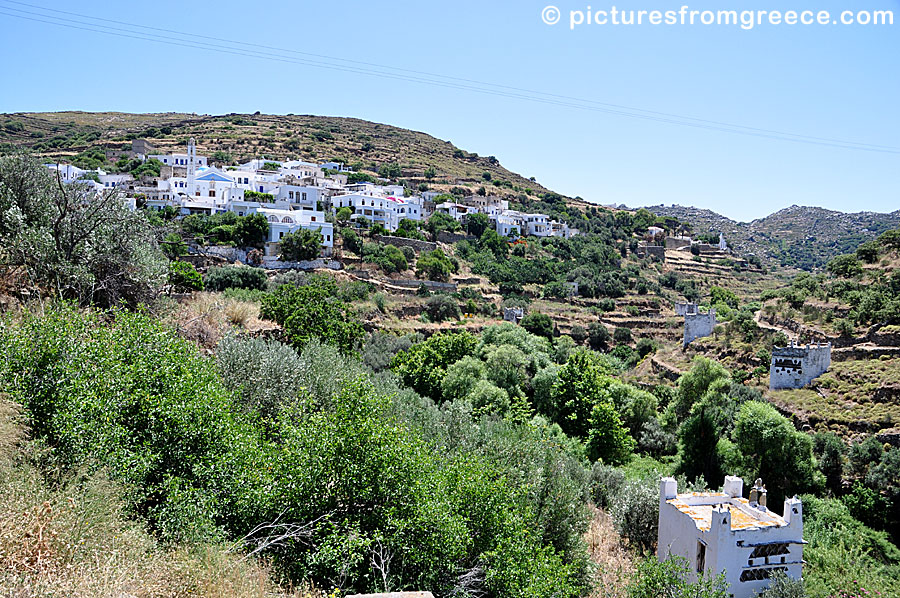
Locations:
(461, 463)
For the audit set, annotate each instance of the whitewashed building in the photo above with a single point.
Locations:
(722, 532)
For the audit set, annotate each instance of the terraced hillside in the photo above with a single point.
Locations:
(797, 236)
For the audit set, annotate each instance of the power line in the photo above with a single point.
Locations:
(451, 78)
(244, 49)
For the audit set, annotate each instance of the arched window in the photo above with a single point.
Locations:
(273, 218)
(287, 220)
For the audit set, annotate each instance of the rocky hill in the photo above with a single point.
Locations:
(798, 236)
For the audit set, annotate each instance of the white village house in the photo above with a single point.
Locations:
(722, 532)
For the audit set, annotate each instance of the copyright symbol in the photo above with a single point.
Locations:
(550, 15)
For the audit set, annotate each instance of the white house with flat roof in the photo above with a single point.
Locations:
(301, 195)
(723, 532)
(180, 160)
(67, 172)
(388, 211)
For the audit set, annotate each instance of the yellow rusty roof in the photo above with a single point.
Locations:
(740, 518)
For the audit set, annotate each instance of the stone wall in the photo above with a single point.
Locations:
(307, 265)
(677, 242)
(404, 242)
(232, 254)
(698, 325)
(657, 252)
(449, 238)
(449, 287)
(796, 366)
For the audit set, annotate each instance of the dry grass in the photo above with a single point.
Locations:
(615, 565)
(240, 313)
(207, 317)
(74, 541)
(11, 432)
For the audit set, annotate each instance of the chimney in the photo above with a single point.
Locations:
(668, 489)
(734, 486)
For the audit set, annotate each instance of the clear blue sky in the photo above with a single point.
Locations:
(839, 82)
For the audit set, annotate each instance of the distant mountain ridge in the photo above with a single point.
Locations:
(798, 236)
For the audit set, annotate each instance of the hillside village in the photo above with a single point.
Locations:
(295, 195)
(376, 383)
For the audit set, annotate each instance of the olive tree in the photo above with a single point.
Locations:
(74, 242)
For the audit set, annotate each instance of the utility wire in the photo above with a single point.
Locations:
(328, 62)
(465, 80)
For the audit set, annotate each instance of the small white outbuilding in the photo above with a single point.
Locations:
(723, 532)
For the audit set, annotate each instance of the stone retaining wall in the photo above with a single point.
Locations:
(403, 241)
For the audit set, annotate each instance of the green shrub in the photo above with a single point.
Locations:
(442, 307)
(670, 579)
(133, 398)
(220, 278)
(184, 278)
(538, 324)
(311, 312)
(301, 245)
(635, 512)
(556, 290)
(782, 586)
(598, 336)
(434, 265)
(622, 335)
(263, 374)
(424, 365)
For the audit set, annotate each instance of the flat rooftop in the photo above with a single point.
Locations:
(699, 506)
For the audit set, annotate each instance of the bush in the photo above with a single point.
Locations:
(442, 307)
(646, 346)
(782, 586)
(263, 374)
(670, 579)
(598, 336)
(578, 334)
(847, 266)
(133, 398)
(424, 365)
(301, 245)
(608, 439)
(635, 512)
(310, 312)
(434, 265)
(555, 289)
(455, 504)
(538, 324)
(251, 230)
(220, 278)
(352, 242)
(184, 278)
(775, 451)
(381, 347)
(606, 481)
(622, 335)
